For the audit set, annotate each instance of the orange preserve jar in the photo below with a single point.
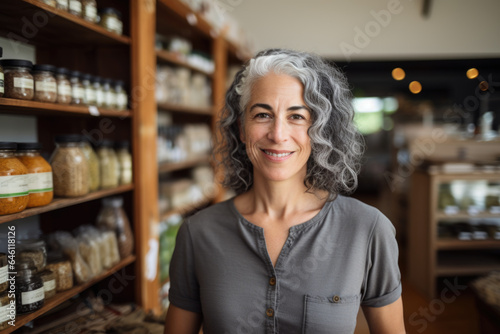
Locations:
(39, 175)
(14, 193)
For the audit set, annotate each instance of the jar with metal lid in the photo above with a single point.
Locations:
(121, 95)
(62, 269)
(49, 283)
(52, 3)
(77, 91)
(89, 10)
(7, 309)
(41, 189)
(62, 4)
(111, 20)
(89, 97)
(2, 89)
(45, 83)
(125, 162)
(69, 167)
(18, 80)
(34, 250)
(64, 93)
(29, 288)
(109, 94)
(94, 168)
(109, 165)
(99, 93)
(14, 193)
(3, 272)
(75, 7)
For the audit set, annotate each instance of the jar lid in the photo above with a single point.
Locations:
(110, 10)
(86, 76)
(44, 67)
(8, 145)
(120, 83)
(29, 146)
(105, 143)
(16, 63)
(75, 74)
(22, 244)
(62, 70)
(107, 81)
(69, 138)
(122, 144)
(96, 78)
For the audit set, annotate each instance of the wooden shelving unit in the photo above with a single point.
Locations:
(431, 257)
(185, 109)
(172, 58)
(167, 167)
(185, 209)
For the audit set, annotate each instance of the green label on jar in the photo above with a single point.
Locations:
(13, 186)
(40, 182)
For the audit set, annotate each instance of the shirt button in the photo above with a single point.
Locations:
(336, 299)
(272, 281)
(269, 312)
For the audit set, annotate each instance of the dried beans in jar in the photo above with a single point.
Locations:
(18, 80)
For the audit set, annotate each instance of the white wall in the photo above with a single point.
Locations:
(454, 29)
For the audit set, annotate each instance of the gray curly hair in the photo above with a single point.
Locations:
(336, 144)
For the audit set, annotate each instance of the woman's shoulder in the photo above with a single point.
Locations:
(212, 215)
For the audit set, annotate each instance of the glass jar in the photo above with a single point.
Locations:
(63, 86)
(77, 91)
(94, 168)
(89, 10)
(29, 288)
(111, 20)
(89, 97)
(7, 309)
(75, 7)
(3, 272)
(41, 189)
(112, 217)
(2, 89)
(52, 3)
(33, 250)
(45, 83)
(99, 93)
(109, 94)
(62, 269)
(125, 162)
(108, 163)
(18, 80)
(62, 4)
(14, 193)
(69, 167)
(49, 283)
(121, 95)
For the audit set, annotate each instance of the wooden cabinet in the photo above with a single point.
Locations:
(446, 235)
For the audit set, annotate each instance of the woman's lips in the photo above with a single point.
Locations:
(275, 155)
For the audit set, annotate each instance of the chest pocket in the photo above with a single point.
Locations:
(326, 315)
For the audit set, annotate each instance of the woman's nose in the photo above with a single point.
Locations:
(277, 131)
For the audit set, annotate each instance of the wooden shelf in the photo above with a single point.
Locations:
(182, 11)
(450, 244)
(59, 203)
(61, 27)
(15, 106)
(172, 58)
(466, 264)
(185, 109)
(65, 295)
(166, 167)
(185, 209)
(464, 215)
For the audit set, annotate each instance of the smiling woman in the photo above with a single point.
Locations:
(290, 253)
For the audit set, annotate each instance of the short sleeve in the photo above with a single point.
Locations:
(184, 288)
(382, 285)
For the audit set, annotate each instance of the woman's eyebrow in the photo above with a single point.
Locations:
(269, 108)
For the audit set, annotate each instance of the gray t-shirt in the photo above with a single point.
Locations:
(345, 256)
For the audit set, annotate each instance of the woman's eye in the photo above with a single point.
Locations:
(262, 115)
(297, 116)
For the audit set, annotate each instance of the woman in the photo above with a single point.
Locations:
(289, 253)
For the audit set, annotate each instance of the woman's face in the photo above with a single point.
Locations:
(275, 128)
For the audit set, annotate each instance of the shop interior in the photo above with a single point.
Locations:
(128, 104)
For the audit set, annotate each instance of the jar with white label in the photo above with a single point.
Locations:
(109, 94)
(39, 175)
(7, 309)
(62, 4)
(89, 10)
(18, 80)
(63, 86)
(29, 293)
(14, 192)
(121, 95)
(108, 161)
(3, 272)
(99, 94)
(89, 96)
(111, 20)
(75, 7)
(49, 283)
(45, 83)
(1, 74)
(77, 91)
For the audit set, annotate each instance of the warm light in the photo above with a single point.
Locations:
(483, 85)
(415, 87)
(472, 73)
(398, 73)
